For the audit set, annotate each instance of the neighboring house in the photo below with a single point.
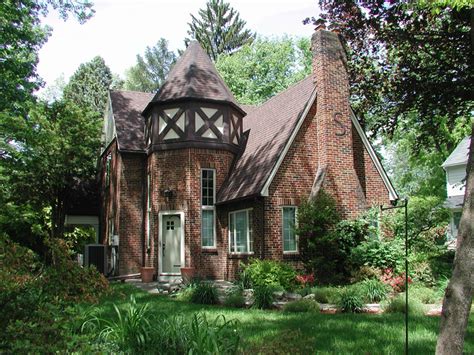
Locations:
(455, 167)
(191, 178)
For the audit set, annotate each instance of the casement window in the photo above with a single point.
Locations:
(290, 239)
(208, 209)
(108, 167)
(240, 231)
(148, 211)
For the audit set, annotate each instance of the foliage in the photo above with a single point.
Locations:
(22, 35)
(305, 280)
(373, 290)
(317, 247)
(408, 67)
(397, 305)
(326, 294)
(379, 254)
(269, 272)
(130, 329)
(425, 295)
(396, 281)
(204, 293)
(350, 300)
(235, 298)
(219, 29)
(264, 68)
(365, 273)
(89, 86)
(301, 306)
(263, 296)
(150, 71)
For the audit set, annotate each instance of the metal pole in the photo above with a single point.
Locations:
(405, 205)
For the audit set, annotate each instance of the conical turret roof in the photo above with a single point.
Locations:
(194, 76)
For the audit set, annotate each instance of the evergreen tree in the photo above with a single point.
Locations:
(89, 85)
(151, 70)
(219, 29)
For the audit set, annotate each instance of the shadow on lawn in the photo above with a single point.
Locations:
(281, 333)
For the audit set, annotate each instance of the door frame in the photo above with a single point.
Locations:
(161, 214)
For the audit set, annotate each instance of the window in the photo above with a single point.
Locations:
(110, 229)
(108, 163)
(290, 240)
(240, 231)
(208, 209)
(148, 211)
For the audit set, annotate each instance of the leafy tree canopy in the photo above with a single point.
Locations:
(219, 29)
(89, 85)
(22, 35)
(264, 68)
(407, 66)
(151, 70)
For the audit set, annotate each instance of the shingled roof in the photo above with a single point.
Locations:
(269, 128)
(194, 76)
(127, 107)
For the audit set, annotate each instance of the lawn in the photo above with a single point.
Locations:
(280, 333)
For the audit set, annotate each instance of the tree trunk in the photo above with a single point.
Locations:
(458, 296)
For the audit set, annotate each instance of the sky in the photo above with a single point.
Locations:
(121, 29)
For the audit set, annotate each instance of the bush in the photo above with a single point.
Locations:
(379, 254)
(326, 294)
(365, 273)
(397, 305)
(263, 296)
(350, 300)
(396, 282)
(235, 298)
(269, 273)
(373, 290)
(204, 293)
(301, 306)
(424, 294)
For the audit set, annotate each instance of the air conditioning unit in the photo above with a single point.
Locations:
(96, 254)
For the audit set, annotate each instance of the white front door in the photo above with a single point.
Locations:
(171, 244)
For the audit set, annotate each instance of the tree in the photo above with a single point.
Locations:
(151, 70)
(219, 29)
(21, 36)
(49, 152)
(407, 65)
(89, 85)
(458, 296)
(264, 68)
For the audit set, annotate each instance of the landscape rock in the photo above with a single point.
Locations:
(311, 296)
(278, 294)
(293, 296)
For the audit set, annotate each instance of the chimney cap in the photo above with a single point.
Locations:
(320, 24)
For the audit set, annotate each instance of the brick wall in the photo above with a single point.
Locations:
(130, 212)
(180, 171)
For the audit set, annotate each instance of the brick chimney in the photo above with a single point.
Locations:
(335, 129)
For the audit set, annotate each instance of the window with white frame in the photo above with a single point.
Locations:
(240, 231)
(290, 239)
(208, 209)
(148, 211)
(110, 229)
(108, 167)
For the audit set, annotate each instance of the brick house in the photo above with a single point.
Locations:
(191, 178)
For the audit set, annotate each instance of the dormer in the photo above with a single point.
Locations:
(193, 108)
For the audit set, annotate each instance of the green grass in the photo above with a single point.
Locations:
(280, 332)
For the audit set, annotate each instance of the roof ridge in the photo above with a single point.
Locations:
(282, 92)
(134, 91)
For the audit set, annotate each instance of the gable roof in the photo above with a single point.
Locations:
(459, 155)
(194, 76)
(127, 107)
(268, 128)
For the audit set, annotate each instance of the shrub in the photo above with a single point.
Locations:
(397, 282)
(305, 280)
(441, 287)
(263, 296)
(235, 298)
(350, 300)
(270, 273)
(301, 306)
(130, 331)
(204, 293)
(379, 254)
(373, 290)
(326, 294)
(424, 294)
(365, 273)
(397, 305)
